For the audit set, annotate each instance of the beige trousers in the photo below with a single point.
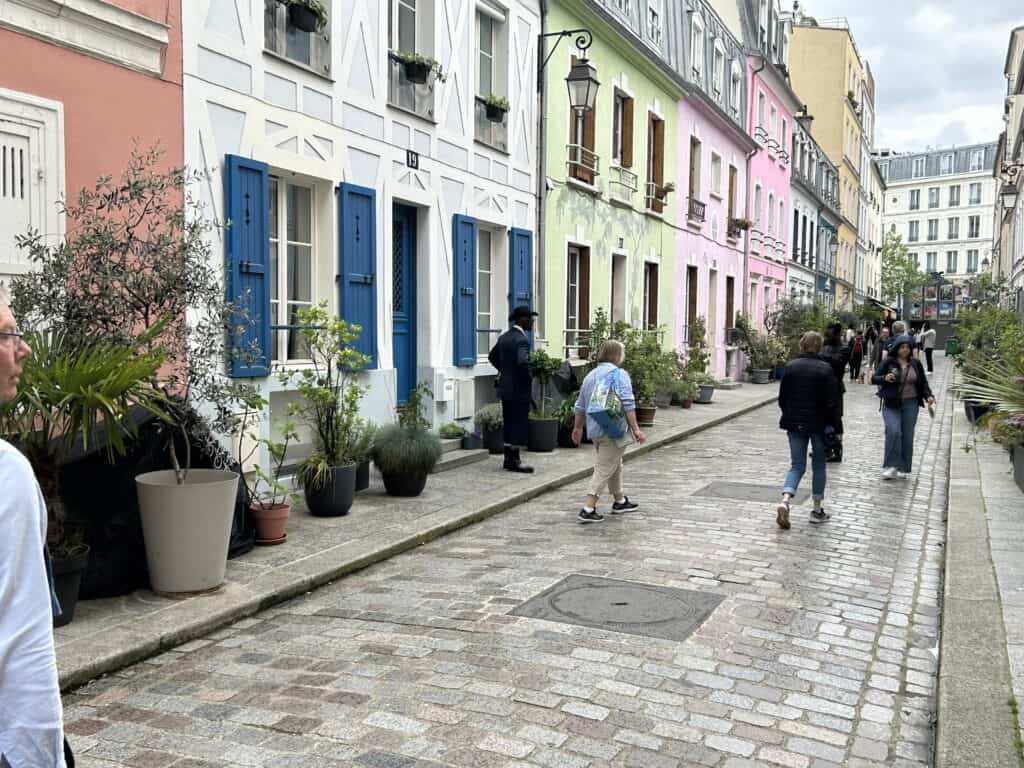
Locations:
(607, 466)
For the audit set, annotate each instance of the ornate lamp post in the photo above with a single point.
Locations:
(582, 79)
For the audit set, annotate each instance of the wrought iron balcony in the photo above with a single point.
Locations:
(403, 93)
(583, 164)
(695, 209)
(656, 195)
(761, 135)
(622, 184)
(492, 133)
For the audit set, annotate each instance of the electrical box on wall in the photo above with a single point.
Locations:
(444, 387)
(465, 398)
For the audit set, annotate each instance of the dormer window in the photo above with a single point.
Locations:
(654, 21)
(736, 88)
(697, 47)
(718, 70)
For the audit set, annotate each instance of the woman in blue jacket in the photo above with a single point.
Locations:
(904, 390)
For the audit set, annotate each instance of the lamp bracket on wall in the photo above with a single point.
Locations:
(584, 39)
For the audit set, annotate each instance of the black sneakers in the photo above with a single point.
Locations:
(624, 506)
(589, 516)
(819, 516)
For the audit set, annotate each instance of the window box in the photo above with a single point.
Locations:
(495, 108)
(407, 94)
(307, 15)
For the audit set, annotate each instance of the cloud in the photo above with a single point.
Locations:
(938, 71)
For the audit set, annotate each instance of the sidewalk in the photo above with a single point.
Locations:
(110, 634)
(982, 657)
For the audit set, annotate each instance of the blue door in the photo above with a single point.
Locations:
(403, 298)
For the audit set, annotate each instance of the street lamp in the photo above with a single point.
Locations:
(1009, 195)
(582, 79)
(985, 264)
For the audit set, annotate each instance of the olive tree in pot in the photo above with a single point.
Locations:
(68, 394)
(329, 398)
(761, 354)
(543, 434)
(490, 422)
(698, 359)
(406, 452)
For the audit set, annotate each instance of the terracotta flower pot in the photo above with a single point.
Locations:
(271, 522)
(645, 415)
(687, 403)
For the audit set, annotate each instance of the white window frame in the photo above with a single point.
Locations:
(953, 204)
(937, 197)
(771, 213)
(973, 227)
(736, 87)
(396, 6)
(972, 261)
(952, 262)
(655, 25)
(916, 163)
(718, 69)
(953, 228)
(914, 197)
(279, 314)
(933, 230)
(481, 54)
(716, 176)
(758, 195)
(971, 199)
(319, 42)
(946, 164)
(618, 118)
(761, 108)
(697, 46)
(931, 261)
(490, 272)
(914, 231)
(977, 159)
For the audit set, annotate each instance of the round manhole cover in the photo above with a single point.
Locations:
(612, 604)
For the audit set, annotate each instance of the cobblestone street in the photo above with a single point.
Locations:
(820, 653)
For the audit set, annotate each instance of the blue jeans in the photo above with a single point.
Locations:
(798, 457)
(899, 435)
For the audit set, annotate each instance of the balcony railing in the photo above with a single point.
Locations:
(583, 164)
(622, 184)
(695, 209)
(578, 341)
(403, 93)
(656, 195)
(493, 134)
(761, 135)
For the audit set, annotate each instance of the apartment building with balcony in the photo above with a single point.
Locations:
(356, 174)
(941, 202)
(80, 82)
(611, 196)
(1008, 221)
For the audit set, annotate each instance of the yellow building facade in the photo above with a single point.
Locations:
(828, 75)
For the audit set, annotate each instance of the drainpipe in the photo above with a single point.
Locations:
(750, 197)
(541, 179)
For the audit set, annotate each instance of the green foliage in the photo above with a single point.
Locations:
(498, 102)
(790, 320)
(402, 449)
(565, 412)
(1007, 430)
(329, 396)
(543, 367)
(68, 392)
(899, 272)
(452, 431)
(698, 357)
(489, 418)
(683, 389)
(650, 367)
(411, 57)
(276, 492)
(412, 413)
(762, 350)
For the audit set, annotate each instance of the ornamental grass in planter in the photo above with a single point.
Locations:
(490, 422)
(406, 452)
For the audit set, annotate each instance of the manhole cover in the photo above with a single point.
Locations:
(622, 606)
(769, 494)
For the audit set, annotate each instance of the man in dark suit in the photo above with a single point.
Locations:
(511, 356)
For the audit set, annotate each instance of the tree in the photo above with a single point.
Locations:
(899, 271)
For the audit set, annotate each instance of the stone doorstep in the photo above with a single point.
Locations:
(975, 726)
(81, 660)
(459, 458)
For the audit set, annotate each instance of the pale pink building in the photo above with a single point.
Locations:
(77, 86)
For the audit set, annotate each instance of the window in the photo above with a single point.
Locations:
(951, 262)
(931, 261)
(972, 261)
(403, 25)
(933, 197)
(757, 206)
(622, 130)
(915, 199)
(577, 304)
(974, 226)
(771, 213)
(650, 307)
(914, 258)
(624, 6)
(718, 70)
(954, 228)
(311, 49)
(954, 195)
(697, 47)
(654, 21)
(760, 110)
(947, 164)
(581, 159)
(732, 193)
(783, 130)
(655, 163)
(918, 169)
(912, 232)
(772, 119)
(736, 89)
(977, 159)
(485, 55)
(291, 264)
(695, 161)
(933, 229)
(793, 240)
(883, 171)
(782, 219)
(974, 194)
(716, 175)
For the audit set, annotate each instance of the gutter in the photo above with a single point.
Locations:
(541, 178)
(750, 194)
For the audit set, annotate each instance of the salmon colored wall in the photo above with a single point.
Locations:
(105, 106)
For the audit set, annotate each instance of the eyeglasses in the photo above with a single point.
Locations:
(16, 336)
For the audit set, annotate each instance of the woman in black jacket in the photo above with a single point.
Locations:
(810, 403)
(837, 354)
(903, 387)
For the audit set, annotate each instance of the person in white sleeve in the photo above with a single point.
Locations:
(31, 721)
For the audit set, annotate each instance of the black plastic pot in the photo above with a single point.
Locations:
(334, 498)
(302, 18)
(565, 437)
(405, 483)
(472, 443)
(974, 410)
(495, 113)
(67, 578)
(494, 440)
(362, 475)
(1018, 466)
(416, 72)
(760, 375)
(543, 435)
(705, 393)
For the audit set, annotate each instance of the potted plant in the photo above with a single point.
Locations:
(472, 441)
(418, 68)
(362, 448)
(543, 435)
(491, 424)
(329, 399)
(665, 190)
(270, 505)
(495, 108)
(68, 394)
(761, 357)
(650, 368)
(452, 431)
(698, 359)
(740, 223)
(406, 452)
(566, 415)
(307, 15)
(685, 391)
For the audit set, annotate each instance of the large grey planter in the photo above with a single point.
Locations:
(1018, 466)
(760, 375)
(187, 528)
(704, 393)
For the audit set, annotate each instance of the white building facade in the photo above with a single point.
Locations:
(346, 180)
(941, 203)
(1008, 173)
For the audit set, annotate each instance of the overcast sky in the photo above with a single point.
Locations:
(938, 65)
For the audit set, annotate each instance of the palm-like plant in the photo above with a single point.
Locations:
(69, 392)
(998, 383)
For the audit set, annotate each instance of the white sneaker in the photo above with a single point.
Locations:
(902, 475)
(889, 473)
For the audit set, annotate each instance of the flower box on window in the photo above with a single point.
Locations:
(307, 15)
(418, 68)
(496, 107)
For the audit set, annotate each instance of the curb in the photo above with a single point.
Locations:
(296, 584)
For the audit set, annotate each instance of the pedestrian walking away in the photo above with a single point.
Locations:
(607, 405)
(927, 342)
(810, 402)
(31, 720)
(837, 355)
(904, 390)
(511, 356)
(880, 346)
(856, 356)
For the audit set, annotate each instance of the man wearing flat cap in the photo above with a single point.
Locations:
(511, 356)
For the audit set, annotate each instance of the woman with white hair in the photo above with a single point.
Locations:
(608, 433)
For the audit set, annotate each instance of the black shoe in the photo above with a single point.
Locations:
(820, 516)
(589, 516)
(513, 463)
(622, 507)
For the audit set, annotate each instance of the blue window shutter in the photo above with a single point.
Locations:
(464, 300)
(520, 279)
(357, 255)
(246, 206)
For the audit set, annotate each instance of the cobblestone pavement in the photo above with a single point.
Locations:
(820, 654)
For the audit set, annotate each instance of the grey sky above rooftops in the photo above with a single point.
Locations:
(938, 66)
